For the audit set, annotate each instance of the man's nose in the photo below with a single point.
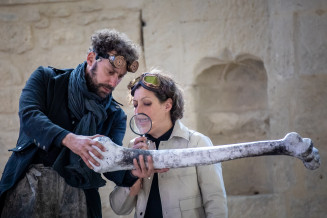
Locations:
(113, 81)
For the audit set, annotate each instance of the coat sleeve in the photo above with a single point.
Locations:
(121, 202)
(118, 128)
(213, 189)
(32, 112)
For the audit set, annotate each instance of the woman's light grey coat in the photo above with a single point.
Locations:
(185, 192)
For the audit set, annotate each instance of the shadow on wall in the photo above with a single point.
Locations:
(232, 107)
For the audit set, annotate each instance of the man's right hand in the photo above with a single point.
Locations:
(82, 145)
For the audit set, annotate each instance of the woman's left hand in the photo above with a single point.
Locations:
(142, 171)
(141, 143)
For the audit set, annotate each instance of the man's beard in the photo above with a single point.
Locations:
(95, 87)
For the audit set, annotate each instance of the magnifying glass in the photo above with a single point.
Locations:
(140, 124)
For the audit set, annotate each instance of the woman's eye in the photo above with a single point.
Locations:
(147, 104)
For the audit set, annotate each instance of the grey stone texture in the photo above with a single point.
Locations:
(250, 70)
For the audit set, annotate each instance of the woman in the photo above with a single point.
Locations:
(183, 192)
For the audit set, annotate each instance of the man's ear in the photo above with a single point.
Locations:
(90, 58)
(168, 104)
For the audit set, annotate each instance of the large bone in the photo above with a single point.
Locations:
(120, 158)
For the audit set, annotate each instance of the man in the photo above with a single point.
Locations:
(61, 112)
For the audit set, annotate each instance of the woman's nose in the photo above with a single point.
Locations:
(137, 110)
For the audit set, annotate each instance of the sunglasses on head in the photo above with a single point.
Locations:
(119, 62)
(147, 80)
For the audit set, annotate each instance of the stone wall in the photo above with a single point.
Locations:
(251, 70)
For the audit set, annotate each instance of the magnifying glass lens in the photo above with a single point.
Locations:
(140, 124)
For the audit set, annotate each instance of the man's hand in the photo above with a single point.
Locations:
(82, 145)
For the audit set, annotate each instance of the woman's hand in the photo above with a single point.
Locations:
(141, 143)
(141, 170)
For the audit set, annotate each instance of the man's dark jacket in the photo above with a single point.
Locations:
(44, 121)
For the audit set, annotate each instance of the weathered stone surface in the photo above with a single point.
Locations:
(254, 174)
(256, 206)
(281, 7)
(312, 207)
(14, 2)
(8, 16)
(310, 42)
(9, 122)
(16, 38)
(9, 95)
(10, 74)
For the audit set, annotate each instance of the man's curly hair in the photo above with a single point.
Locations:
(106, 40)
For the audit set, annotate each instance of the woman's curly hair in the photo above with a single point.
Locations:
(106, 40)
(168, 89)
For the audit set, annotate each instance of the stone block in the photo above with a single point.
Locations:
(14, 2)
(7, 16)
(311, 205)
(10, 74)
(10, 95)
(9, 122)
(219, 10)
(280, 57)
(310, 42)
(289, 6)
(16, 38)
(263, 206)
(249, 176)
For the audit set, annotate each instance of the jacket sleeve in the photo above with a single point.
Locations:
(32, 112)
(118, 128)
(213, 189)
(121, 202)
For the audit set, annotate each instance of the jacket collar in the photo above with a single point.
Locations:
(180, 130)
(114, 105)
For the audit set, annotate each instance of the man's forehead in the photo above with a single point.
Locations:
(114, 53)
(119, 71)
